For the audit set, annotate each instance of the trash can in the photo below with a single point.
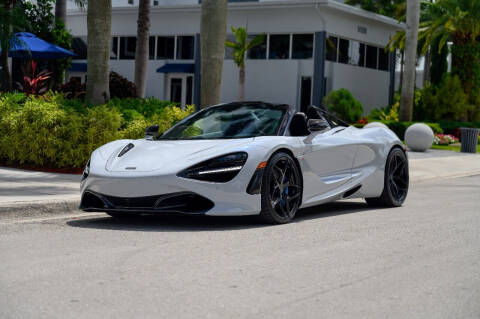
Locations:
(469, 139)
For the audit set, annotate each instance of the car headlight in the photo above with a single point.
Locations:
(220, 169)
(86, 171)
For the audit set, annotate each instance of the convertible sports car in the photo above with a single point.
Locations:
(246, 158)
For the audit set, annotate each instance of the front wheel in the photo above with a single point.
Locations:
(396, 181)
(281, 189)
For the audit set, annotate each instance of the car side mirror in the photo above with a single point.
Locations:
(317, 125)
(151, 132)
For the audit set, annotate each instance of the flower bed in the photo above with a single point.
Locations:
(444, 139)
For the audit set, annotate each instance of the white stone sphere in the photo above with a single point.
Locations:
(375, 124)
(419, 137)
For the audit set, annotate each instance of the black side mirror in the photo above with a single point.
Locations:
(151, 132)
(317, 125)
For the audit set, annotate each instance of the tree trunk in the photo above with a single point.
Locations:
(402, 68)
(241, 83)
(6, 80)
(426, 67)
(141, 51)
(411, 39)
(99, 23)
(61, 11)
(213, 32)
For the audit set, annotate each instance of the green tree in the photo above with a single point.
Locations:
(99, 24)
(141, 51)
(457, 21)
(390, 8)
(213, 32)
(240, 47)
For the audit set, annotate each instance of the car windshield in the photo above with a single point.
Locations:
(236, 120)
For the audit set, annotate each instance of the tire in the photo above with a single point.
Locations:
(281, 189)
(396, 181)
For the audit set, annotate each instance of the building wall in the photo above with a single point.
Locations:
(268, 80)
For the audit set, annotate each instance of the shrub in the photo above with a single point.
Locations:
(389, 113)
(344, 105)
(57, 132)
(448, 101)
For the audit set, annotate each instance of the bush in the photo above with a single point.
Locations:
(119, 86)
(448, 101)
(55, 132)
(344, 105)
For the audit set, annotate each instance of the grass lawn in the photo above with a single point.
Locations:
(453, 147)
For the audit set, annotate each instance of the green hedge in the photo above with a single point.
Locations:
(400, 127)
(54, 132)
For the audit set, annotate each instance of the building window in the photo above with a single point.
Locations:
(305, 93)
(351, 52)
(114, 49)
(79, 47)
(185, 47)
(151, 48)
(382, 59)
(332, 45)
(279, 46)
(258, 52)
(302, 46)
(372, 54)
(165, 48)
(127, 48)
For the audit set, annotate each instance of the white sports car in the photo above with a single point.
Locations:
(246, 158)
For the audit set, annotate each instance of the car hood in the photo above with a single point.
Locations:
(147, 156)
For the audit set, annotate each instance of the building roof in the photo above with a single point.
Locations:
(331, 4)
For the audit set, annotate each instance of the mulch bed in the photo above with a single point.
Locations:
(76, 171)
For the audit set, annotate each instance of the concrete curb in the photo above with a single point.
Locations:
(39, 207)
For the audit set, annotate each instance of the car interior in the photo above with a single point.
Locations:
(299, 124)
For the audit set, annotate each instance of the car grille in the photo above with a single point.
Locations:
(182, 202)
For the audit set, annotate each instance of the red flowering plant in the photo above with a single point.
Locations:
(34, 84)
(444, 139)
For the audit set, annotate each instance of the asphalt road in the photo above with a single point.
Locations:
(342, 260)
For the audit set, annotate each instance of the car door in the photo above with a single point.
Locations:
(327, 161)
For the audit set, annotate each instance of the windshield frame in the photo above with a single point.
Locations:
(280, 131)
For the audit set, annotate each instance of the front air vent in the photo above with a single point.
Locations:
(352, 191)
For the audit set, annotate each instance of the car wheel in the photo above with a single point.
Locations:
(396, 181)
(281, 189)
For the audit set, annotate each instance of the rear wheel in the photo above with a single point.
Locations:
(396, 181)
(281, 189)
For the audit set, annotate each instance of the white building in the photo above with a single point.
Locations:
(297, 64)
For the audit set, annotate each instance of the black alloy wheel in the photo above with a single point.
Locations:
(396, 181)
(281, 189)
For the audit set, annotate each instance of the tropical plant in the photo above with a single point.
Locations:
(99, 25)
(240, 47)
(394, 9)
(141, 51)
(344, 105)
(34, 83)
(213, 32)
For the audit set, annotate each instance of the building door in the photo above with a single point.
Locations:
(305, 93)
(180, 88)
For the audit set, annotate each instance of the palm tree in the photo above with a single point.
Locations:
(99, 23)
(141, 51)
(456, 21)
(411, 39)
(213, 32)
(61, 11)
(240, 47)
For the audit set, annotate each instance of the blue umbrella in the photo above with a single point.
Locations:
(27, 45)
